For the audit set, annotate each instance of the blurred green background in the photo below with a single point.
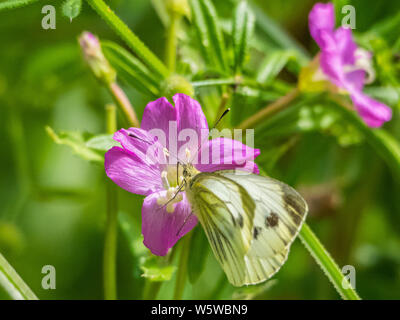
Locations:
(52, 203)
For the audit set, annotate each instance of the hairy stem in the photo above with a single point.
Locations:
(119, 27)
(110, 241)
(269, 110)
(13, 284)
(123, 103)
(327, 264)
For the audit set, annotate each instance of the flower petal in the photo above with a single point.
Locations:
(373, 112)
(321, 18)
(191, 117)
(160, 228)
(142, 144)
(226, 154)
(157, 115)
(345, 45)
(132, 173)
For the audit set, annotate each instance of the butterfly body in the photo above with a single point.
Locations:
(249, 220)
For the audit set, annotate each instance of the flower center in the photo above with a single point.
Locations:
(170, 199)
(363, 62)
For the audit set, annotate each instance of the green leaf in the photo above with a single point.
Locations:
(142, 51)
(77, 142)
(209, 33)
(243, 26)
(197, 255)
(278, 35)
(273, 65)
(154, 270)
(71, 8)
(102, 142)
(384, 143)
(131, 70)
(13, 4)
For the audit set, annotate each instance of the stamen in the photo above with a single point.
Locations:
(187, 153)
(164, 178)
(166, 152)
(171, 193)
(363, 62)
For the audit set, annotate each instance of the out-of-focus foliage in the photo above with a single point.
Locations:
(52, 200)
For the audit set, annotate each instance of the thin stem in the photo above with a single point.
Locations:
(327, 264)
(151, 289)
(119, 27)
(13, 283)
(110, 241)
(123, 103)
(181, 274)
(172, 42)
(269, 110)
(214, 82)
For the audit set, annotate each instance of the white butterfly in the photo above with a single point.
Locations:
(250, 220)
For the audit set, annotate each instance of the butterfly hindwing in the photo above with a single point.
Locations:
(253, 218)
(227, 220)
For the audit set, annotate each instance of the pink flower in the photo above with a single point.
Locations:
(344, 64)
(146, 165)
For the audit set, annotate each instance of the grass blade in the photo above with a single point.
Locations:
(243, 26)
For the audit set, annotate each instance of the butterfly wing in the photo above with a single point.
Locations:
(250, 222)
(226, 214)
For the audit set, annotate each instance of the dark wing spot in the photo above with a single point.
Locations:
(256, 232)
(272, 220)
(295, 205)
(296, 202)
(240, 220)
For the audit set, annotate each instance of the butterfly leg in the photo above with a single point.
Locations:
(184, 222)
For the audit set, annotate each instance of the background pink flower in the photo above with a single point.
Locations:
(344, 64)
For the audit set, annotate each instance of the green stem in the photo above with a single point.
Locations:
(172, 42)
(13, 283)
(124, 104)
(151, 289)
(119, 27)
(327, 264)
(181, 274)
(110, 241)
(214, 82)
(275, 107)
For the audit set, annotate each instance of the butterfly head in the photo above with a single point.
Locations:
(189, 171)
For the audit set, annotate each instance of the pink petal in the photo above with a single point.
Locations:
(132, 173)
(157, 115)
(345, 45)
(373, 112)
(226, 154)
(142, 144)
(190, 117)
(321, 18)
(355, 80)
(160, 228)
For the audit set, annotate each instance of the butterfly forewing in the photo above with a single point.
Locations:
(250, 221)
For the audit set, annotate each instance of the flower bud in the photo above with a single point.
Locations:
(95, 58)
(178, 7)
(177, 84)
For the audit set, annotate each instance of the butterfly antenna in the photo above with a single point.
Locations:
(213, 127)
